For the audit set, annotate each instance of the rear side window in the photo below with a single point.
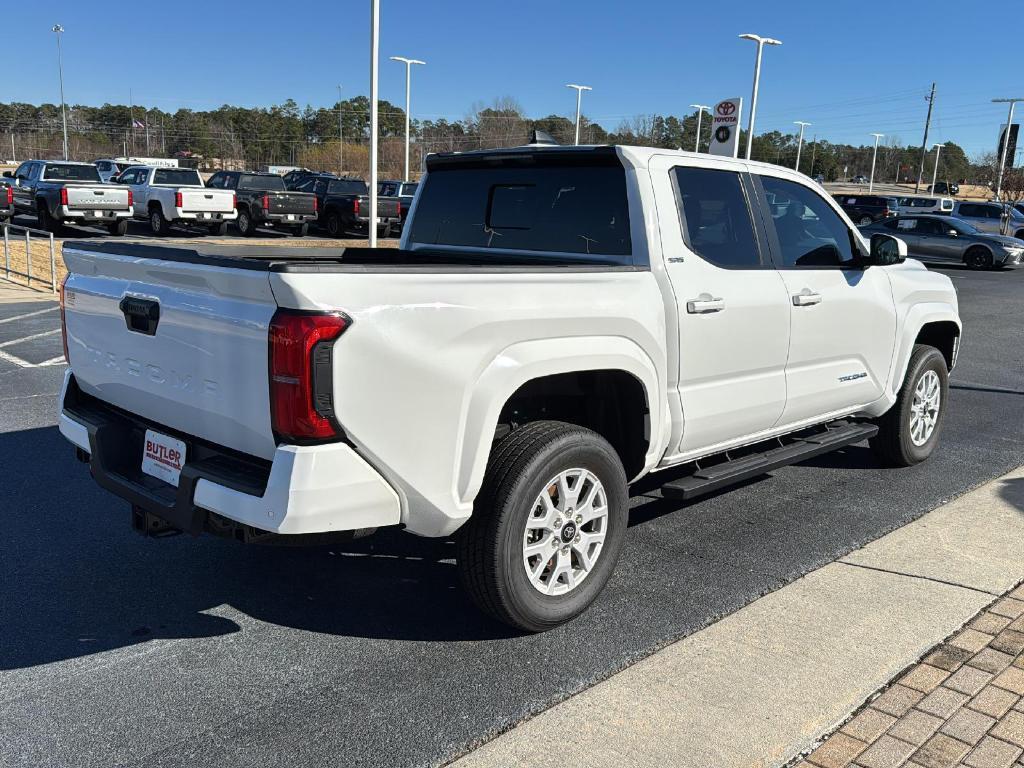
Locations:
(549, 204)
(810, 233)
(716, 217)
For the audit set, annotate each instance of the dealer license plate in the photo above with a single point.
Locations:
(163, 457)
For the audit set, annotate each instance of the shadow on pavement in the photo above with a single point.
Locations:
(1012, 492)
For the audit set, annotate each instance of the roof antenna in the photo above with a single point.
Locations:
(542, 138)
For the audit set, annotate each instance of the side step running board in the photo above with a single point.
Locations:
(735, 471)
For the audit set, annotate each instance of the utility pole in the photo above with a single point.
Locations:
(761, 43)
(374, 109)
(131, 117)
(935, 170)
(874, 156)
(579, 98)
(700, 113)
(341, 139)
(814, 151)
(924, 141)
(147, 132)
(1006, 141)
(800, 144)
(14, 155)
(408, 77)
(59, 30)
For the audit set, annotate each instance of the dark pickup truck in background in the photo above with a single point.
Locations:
(60, 192)
(6, 202)
(263, 201)
(345, 205)
(404, 191)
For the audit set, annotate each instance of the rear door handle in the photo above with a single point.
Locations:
(806, 299)
(704, 306)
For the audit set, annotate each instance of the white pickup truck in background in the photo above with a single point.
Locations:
(581, 318)
(169, 197)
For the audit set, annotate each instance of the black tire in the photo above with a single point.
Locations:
(978, 257)
(157, 223)
(300, 231)
(219, 230)
(865, 220)
(894, 443)
(490, 544)
(1019, 234)
(44, 220)
(333, 225)
(118, 228)
(246, 226)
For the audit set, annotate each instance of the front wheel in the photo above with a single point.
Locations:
(909, 431)
(864, 220)
(118, 228)
(245, 224)
(978, 257)
(547, 527)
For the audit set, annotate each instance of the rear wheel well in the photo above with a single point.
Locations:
(941, 335)
(613, 403)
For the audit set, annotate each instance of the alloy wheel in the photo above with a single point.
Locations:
(924, 410)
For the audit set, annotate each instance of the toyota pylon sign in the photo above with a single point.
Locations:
(725, 127)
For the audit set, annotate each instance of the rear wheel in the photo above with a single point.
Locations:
(157, 223)
(219, 230)
(865, 220)
(547, 528)
(909, 431)
(333, 224)
(300, 231)
(118, 228)
(43, 218)
(245, 224)
(978, 257)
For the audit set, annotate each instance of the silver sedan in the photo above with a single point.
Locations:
(950, 240)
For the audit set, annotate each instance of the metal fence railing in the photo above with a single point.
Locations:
(27, 274)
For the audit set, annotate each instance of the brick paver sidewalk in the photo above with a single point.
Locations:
(960, 706)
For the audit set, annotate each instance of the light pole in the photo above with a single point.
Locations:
(761, 43)
(800, 142)
(341, 139)
(700, 113)
(408, 70)
(874, 156)
(579, 97)
(374, 55)
(59, 30)
(935, 170)
(1006, 141)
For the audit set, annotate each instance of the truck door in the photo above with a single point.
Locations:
(843, 324)
(732, 306)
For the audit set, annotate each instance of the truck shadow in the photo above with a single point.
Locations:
(75, 580)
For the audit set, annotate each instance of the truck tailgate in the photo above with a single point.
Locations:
(202, 370)
(202, 199)
(97, 197)
(387, 207)
(292, 202)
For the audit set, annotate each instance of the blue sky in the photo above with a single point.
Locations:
(848, 68)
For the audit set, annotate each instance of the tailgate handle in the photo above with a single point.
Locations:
(140, 315)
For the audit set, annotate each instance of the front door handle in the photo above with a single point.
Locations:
(806, 299)
(704, 305)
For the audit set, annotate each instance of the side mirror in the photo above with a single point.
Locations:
(8, 174)
(886, 250)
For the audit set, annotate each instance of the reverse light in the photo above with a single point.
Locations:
(301, 374)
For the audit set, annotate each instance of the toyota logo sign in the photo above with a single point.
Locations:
(725, 108)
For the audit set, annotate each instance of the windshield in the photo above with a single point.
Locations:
(252, 181)
(70, 172)
(177, 177)
(963, 227)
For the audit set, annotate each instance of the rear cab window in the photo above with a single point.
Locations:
(71, 172)
(252, 181)
(558, 206)
(177, 177)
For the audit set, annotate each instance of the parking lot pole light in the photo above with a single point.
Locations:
(579, 98)
(371, 225)
(408, 70)
(341, 139)
(700, 113)
(935, 170)
(800, 143)
(761, 43)
(59, 30)
(874, 156)
(1006, 142)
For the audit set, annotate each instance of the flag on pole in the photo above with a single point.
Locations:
(138, 124)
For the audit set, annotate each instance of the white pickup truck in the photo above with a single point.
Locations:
(558, 323)
(169, 197)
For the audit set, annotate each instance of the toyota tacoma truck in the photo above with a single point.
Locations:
(177, 197)
(558, 323)
(62, 192)
(344, 205)
(263, 201)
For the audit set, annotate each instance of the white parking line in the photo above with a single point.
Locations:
(28, 314)
(12, 342)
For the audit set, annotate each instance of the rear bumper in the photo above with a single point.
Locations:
(304, 489)
(64, 213)
(282, 218)
(203, 217)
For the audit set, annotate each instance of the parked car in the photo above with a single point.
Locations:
(560, 322)
(263, 201)
(945, 188)
(177, 197)
(948, 239)
(62, 192)
(941, 205)
(404, 191)
(859, 179)
(865, 209)
(995, 218)
(344, 205)
(109, 169)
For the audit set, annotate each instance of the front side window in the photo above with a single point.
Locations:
(810, 233)
(716, 217)
(216, 181)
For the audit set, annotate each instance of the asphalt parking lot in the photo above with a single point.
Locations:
(177, 652)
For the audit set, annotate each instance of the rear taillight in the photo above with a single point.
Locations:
(63, 195)
(63, 320)
(178, 202)
(301, 374)
(266, 202)
(131, 199)
(399, 214)
(355, 207)
(10, 195)
(234, 201)
(316, 204)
